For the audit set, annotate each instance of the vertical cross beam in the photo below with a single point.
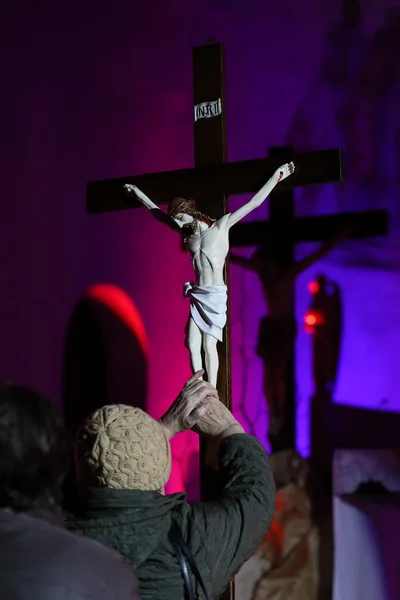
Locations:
(281, 216)
(210, 149)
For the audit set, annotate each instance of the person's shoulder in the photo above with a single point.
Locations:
(242, 442)
(92, 550)
(59, 558)
(94, 566)
(76, 546)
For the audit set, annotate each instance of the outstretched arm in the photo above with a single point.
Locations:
(282, 173)
(133, 191)
(228, 530)
(225, 531)
(323, 250)
(309, 261)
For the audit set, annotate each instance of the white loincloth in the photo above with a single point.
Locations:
(208, 307)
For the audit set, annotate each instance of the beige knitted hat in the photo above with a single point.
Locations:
(122, 447)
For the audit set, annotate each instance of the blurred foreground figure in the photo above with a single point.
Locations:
(123, 460)
(39, 559)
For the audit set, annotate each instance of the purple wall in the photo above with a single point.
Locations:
(97, 92)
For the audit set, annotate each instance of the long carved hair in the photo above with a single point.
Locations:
(183, 206)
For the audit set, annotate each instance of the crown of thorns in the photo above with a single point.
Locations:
(180, 205)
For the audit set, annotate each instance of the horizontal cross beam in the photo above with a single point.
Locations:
(312, 229)
(312, 168)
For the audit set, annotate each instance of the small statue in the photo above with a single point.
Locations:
(278, 330)
(327, 336)
(207, 241)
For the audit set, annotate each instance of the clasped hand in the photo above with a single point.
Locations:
(189, 406)
(198, 407)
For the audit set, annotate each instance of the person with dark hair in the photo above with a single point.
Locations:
(176, 548)
(39, 558)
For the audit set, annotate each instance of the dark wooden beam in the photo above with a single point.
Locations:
(312, 168)
(209, 85)
(370, 223)
(282, 212)
(210, 150)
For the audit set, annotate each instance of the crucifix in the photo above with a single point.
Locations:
(211, 182)
(277, 269)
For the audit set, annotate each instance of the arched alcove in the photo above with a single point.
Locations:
(105, 359)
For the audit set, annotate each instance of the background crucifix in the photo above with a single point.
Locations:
(212, 181)
(274, 263)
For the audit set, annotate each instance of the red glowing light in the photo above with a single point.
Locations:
(310, 320)
(122, 305)
(313, 287)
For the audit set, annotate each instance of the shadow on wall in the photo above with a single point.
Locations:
(105, 360)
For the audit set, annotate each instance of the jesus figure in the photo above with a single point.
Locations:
(207, 241)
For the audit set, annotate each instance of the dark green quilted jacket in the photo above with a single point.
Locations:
(221, 534)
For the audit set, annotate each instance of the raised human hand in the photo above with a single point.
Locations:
(190, 405)
(217, 421)
(284, 171)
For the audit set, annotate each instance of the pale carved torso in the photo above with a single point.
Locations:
(208, 249)
(209, 244)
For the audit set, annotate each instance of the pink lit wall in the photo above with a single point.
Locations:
(98, 90)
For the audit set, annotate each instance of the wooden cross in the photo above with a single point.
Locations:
(286, 231)
(212, 180)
